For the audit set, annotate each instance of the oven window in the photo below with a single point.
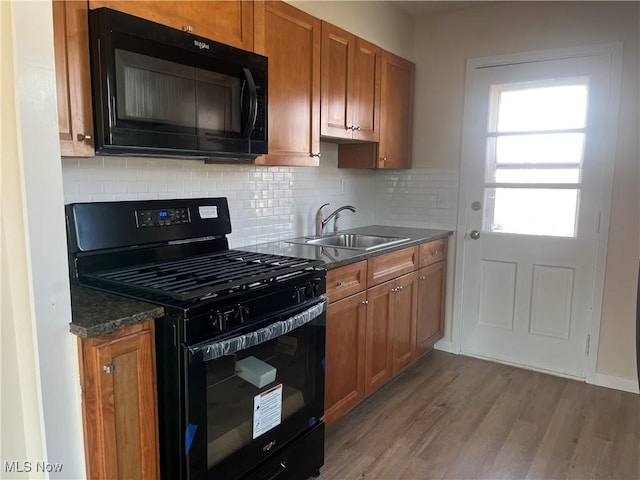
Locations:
(169, 94)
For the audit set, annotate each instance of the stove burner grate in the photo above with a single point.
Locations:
(204, 275)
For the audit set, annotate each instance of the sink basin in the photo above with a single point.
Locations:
(351, 241)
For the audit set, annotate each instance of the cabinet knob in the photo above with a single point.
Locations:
(394, 290)
(315, 155)
(341, 284)
(109, 368)
(435, 252)
(365, 302)
(423, 278)
(400, 288)
(187, 28)
(84, 137)
(383, 159)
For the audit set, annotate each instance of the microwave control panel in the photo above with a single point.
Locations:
(162, 217)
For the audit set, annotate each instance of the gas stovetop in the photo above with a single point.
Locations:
(172, 252)
(202, 276)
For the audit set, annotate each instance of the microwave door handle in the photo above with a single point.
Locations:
(253, 104)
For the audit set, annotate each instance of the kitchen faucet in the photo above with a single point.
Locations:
(321, 221)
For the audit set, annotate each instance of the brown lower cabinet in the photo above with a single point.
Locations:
(345, 354)
(119, 408)
(432, 282)
(374, 334)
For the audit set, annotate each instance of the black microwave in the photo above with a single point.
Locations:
(158, 91)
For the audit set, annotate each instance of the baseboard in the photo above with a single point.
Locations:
(618, 383)
(446, 346)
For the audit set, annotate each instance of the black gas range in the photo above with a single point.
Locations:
(240, 351)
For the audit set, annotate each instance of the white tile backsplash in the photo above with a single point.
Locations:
(421, 197)
(273, 203)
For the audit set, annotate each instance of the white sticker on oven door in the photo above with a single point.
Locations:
(208, 211)
(267, 410)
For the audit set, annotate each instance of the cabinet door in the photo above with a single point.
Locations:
(404, 320)
(291, 40)
(344, 380)
(73, 82)
(364, 107)
(119, 404)
(432, 282)
(338, 48)
(229, 22)
(396, 129)
(378, 364)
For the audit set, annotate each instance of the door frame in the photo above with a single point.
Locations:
(614, 53)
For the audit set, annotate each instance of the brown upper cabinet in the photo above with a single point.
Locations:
(229, 21)
(73, 84)
(351, 69)
(396, 121)
(290, 39)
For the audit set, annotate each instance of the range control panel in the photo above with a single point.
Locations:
(162, 217)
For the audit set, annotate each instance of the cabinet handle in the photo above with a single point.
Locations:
(84, 137)
(435, 252)
(315, 155)
(356, 128)
(400, 288)
(341, 284)
(187, 28)
(423, 278)
(365, 302)
(383, 159)
(109, 368)
(394, 290)
(350, 127)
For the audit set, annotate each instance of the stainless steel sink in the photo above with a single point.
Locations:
(351, 241)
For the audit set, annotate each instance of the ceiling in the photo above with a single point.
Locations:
(430, 7)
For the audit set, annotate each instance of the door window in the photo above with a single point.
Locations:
(534, 156)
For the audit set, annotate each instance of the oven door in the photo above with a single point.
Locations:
(250, 394)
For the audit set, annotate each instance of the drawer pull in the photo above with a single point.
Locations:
(341, 284)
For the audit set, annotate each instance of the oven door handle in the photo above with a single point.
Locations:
(229, 346)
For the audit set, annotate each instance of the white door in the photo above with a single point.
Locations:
(535, 162)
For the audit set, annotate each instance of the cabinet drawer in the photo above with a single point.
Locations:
(433, 252)
(391, 265)
(347, 280)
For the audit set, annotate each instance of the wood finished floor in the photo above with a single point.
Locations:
(455, 417)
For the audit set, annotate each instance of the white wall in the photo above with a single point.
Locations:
(378, 22)
(447, 40)
(20, 413)
(44, 354)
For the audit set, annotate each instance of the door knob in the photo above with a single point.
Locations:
(475, 234)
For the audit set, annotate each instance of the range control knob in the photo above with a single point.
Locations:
(242, 314)
(299, 294)
(312, 290)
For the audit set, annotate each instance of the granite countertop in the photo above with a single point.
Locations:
(95, 313)
(338, 257)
